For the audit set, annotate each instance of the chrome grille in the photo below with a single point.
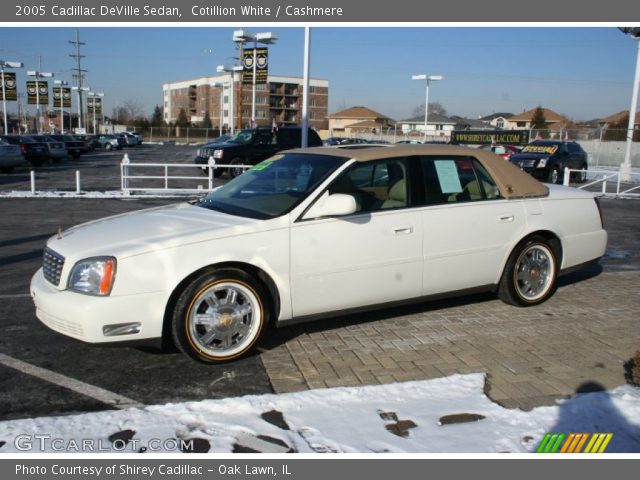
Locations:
(52, 264)
(526, 163)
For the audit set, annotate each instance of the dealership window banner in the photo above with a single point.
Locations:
(41, 97)
(262, 65)
(62, 97)
(487, 137)
(10, 90)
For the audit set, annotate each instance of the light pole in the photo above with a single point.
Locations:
(222, 86)
(232, 71)
(38, 74)
(80, 90)
(625, 168)
(95, 95)
(428, 79)
(266, 38)
(61, 84)
(4, 65)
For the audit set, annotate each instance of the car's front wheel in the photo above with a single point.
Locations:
(529, 277)
(235, 172)
(220, 316)
(108, 146)
(554, 175)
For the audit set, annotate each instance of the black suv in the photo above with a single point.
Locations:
(250, 147)
(547, 159)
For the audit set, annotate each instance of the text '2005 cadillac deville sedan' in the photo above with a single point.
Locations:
(311, 232)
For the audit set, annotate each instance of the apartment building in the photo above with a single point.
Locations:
(279, 100)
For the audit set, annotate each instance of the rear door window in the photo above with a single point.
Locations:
(456, 179)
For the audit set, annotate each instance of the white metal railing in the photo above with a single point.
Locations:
(126, 176)
(607, 177)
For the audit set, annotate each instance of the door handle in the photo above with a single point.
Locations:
(402, 230)
(506, 218)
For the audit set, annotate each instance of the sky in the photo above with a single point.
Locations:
(583, 73)
(444, 415)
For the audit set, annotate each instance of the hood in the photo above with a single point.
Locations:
(138, 232)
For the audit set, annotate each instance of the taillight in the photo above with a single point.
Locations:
(23, 148)
(599, 211)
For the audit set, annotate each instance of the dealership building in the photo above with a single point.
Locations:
(279, 100)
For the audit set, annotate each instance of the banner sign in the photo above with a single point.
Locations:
(10, 87)
(43, 92)
(488, 137)
(62, 95)
(262, 65)
(94, 103)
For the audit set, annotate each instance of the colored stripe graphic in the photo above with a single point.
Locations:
(573, 443)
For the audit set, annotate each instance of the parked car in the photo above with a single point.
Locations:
(129, 139)
(139, 136)
(10, 156)
(409, 142)
(86, 140)
(107, 141)
(505, 151)
(311, 232)
(251, 146)
(546, 160)
(36, 152)
(57, 149)
(74, 146)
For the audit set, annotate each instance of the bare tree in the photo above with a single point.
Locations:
(435, 108)
(128, 112)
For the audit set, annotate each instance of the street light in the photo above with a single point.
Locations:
(80, 90)
(3, 65)
(95, 95)
(38, 74)
(428, 79)
(222, 86)
(61, 83)
(232, 71)
(625, 167)
(266, 38)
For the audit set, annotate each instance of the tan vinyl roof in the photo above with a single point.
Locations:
(512, 182)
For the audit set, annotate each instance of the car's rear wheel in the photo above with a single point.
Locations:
(220, 316)
(6, 169)
(582, 175)
(529, 277)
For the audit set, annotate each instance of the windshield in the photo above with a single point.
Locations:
(273, 187)
(243, 137)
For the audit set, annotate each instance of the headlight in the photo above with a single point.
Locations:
(218, 154)
(543, 162)
(198, 153)
(93, 276)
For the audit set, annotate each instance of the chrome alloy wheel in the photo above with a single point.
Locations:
(535, 272)
(224, 319)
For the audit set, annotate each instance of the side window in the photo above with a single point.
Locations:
(265, 138)
(461, 179)
(380, 185)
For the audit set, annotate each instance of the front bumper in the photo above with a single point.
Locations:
(84, 317)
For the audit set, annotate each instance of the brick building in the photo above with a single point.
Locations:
(279, 100)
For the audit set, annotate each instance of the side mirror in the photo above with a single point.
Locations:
(334, 205)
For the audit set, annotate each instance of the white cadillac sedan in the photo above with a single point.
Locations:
(314, 232)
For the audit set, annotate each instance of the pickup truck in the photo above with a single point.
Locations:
(251, 146)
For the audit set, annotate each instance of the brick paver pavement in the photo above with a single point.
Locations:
(533, 356)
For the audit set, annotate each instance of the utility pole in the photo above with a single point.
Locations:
(79, 76)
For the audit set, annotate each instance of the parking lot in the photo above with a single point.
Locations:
(532, 356)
